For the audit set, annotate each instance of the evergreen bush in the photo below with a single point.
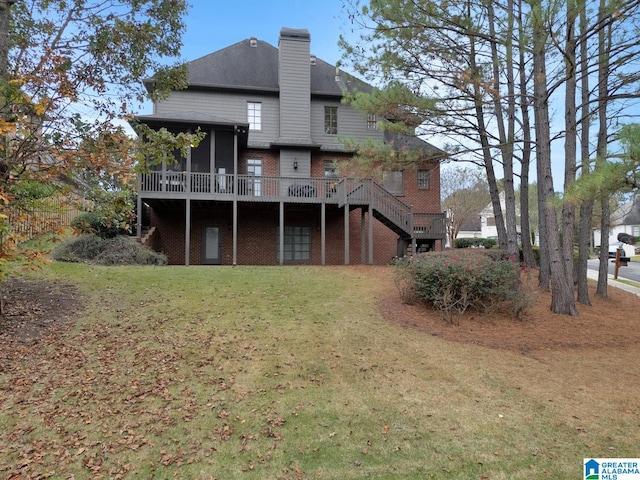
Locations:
(455, 282)
(475, 243)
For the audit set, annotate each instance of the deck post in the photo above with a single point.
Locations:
(323, 234)
(281, 239)
(139, 219)
(370, 235)
(363, 237)
(235, 198)
(412, 232)
(187, 232)
(346, 234)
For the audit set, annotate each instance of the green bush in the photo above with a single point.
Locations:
(455, 282)
(475, 243)
(119, 250)
(94, 223)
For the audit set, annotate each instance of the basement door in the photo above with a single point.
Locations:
(211, 242)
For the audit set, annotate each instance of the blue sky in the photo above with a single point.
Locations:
(215, 24)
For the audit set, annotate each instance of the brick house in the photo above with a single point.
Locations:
(262, 187)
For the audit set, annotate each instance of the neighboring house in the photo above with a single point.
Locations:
(488, 219)
(262, 187)
(626, 219)
(470, 228)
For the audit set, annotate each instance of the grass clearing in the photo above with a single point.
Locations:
(290, 373)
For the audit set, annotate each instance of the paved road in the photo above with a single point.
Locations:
(630, 272)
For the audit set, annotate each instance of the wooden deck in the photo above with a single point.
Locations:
(353, 193)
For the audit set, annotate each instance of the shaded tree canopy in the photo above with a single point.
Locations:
(71, 75)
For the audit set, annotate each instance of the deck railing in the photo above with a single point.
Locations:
(340, 191)
(249, 187)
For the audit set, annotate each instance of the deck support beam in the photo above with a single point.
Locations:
(363, 237)
(370, 235)
(346, 234)
(187, 232)
(281, 236)
(235, 198)
(234, 231)
(139, 219)
(323, 233)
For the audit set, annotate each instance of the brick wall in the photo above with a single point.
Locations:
(258, 230)
(258, 222)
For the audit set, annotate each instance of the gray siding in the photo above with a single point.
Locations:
(295, 88)
(351, 124)
(231, 106)
(287, 157)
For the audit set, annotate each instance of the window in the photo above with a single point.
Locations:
(372, 121)
(297, 244)
(394, 182)
(423, 179)
(330, 170)
(331, 120)
(635, 230)
(254, 167)
(254, 115)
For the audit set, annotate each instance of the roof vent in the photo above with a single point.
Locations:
(313, 59)
(253, 41)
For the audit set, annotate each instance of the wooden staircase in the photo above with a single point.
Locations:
(392, 212)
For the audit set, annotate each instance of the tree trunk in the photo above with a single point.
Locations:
(486, 150)
(527, 250)
(604, 46)
(586, 207)
(570, 144)
(561, 287)
(506, 134)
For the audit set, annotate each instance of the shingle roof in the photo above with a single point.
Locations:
(246, 67)
(627, 214)
(196, 118)
(238, 66)
(407, 142)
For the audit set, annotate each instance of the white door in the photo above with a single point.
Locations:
(211, 242)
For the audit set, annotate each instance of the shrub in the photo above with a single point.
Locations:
(94, 223)
(78, 249)
(475, 243)
(482, 280)
(119, 250)
(122, 250)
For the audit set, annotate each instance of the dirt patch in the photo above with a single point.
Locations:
(33, 308)
(611, 322)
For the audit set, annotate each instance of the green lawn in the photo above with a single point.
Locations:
(291, 373)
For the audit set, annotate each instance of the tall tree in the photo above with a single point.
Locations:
(74, 71)
(462, 55)
(444, 51)
(561, 287)
(571, 136)
(586, 206)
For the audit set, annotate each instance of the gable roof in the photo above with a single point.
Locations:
(627, 214)
(409, 142)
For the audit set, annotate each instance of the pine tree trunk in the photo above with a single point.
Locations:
(562, 301)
